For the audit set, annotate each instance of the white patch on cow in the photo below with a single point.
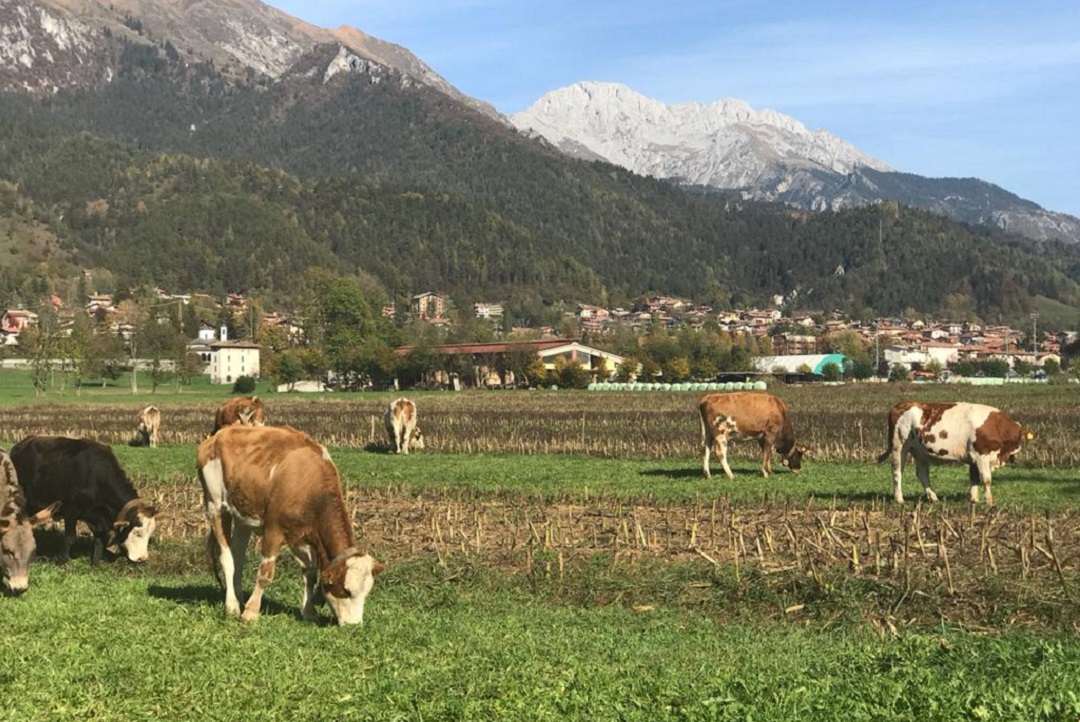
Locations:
(214, 482)
(325, 454)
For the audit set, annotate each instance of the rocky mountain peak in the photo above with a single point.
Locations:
(726, 143)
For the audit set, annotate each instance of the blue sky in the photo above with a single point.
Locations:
(983, 88)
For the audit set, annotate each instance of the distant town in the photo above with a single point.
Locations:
(777, 343)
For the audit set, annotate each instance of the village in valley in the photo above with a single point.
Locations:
(790, 345)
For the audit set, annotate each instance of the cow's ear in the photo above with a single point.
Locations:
(802, 448)
(121, 524)
(45, 514)
(7, 523)
(377, 569)
(1030, 435)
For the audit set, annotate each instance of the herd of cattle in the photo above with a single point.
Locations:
(281, 483)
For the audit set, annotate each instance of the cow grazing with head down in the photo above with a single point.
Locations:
(17, 543)
(146, 433)
(980, 436)
(400, 420)
(748, 415)
(88, 482)
(244, 410)
(280, 481)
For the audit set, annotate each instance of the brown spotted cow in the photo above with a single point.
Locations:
(980, 436)
(400, 420)
(17, 543)
(748, 415)
(148, 428)
(280, 482)
(245, 410)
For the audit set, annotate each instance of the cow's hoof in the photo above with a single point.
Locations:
(249, 616)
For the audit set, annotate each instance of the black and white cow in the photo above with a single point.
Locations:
(88, 482)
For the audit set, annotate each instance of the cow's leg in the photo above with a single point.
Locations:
(403, 439)
(899, 456)
(239, 544)
(229, 572)
(70, 523)
(706, 442)
(310, 567)
(271, 547)
(766, 457)
(922, 470)
(721, 451)
(980, 474)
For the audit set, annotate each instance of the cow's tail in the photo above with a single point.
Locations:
(889, 440)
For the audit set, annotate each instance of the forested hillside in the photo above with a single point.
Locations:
(174, 175)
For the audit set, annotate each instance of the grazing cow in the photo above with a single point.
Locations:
(17, 543)
(280, 481)
(149, 425)
(400, 420)
(746, 415)
(980, 436)
(243, 410)
(87, 480)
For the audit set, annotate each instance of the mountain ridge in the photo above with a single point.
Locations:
(765, 155)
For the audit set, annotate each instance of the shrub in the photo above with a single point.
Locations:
(244, 385)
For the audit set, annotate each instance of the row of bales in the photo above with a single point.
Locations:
(698, 387)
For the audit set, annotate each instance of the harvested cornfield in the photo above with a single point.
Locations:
(840, 423)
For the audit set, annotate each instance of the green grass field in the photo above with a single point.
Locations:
(559, 556)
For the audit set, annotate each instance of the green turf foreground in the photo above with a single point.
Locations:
(124, 643)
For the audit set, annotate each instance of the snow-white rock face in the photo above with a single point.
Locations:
(726, 144)
(41, 50)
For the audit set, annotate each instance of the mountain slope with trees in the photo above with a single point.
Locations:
(177, 175)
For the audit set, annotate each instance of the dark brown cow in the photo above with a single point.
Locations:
(17, 543)
(90, 485)
(280, 481)
(400, 421)
(748, 415)
(244, 410)
(982, 437)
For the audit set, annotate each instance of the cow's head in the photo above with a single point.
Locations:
(346, 584)
(17, 545)
(416, 440)
(132, 530)
(793, 460)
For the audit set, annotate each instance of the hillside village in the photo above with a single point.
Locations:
(920, 348)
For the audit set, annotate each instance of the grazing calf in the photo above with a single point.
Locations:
(747, 415)
(278, 480)
(17, 543)
(244, 410)
(980, 436)
(85, 477)
(400, 420)
(149, 425)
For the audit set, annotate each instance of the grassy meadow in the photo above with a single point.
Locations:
(558, 555)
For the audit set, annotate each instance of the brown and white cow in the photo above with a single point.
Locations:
(17, 543)
(244, 410)
(400, 420)
(748, 415)
(280, 481)
(149, 426)
(982, 437)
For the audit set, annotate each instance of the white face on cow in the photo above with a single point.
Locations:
(137, 544)
(360, 573)
(416, 441)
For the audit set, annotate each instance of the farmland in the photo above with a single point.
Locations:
(556, 554)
